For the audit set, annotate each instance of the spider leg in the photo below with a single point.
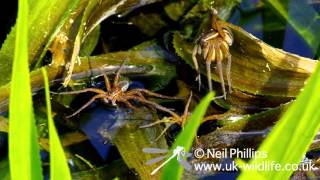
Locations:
(165, 120)
(161, 134)
(107, 82)
(86, 105)
(152, 94)
(211, 57)
(219, 70)
(186, 109)
(94, 90)
(155, 105)
(126, 102)
(219, 28)
(106, 79)
(229, 73)
(195, 62)
(211, 35)
(116, 79)
(229, 36)
(225, 50)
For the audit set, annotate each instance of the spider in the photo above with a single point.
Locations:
(175, 118)
(118, 92)
(214, 47)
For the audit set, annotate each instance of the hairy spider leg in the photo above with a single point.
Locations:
(155, 105)
(107, 82)
(229, 73)
(116, 79)
(220, 70)
(195, 62)
(87, 104)
(226, 54)
(186, 110)
(153, 94)
(94, 90)
(211, 57)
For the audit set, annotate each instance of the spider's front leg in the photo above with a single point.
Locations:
(196, 50)
(220, 71)
(226, 54)
(93, 90)
(141, 91)
(87, 104)
(211, 56)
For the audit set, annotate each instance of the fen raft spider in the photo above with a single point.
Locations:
(214, 47)
(118, 92)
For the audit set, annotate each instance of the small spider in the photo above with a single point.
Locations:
(175, 118)
(118, 93)
(214, 46)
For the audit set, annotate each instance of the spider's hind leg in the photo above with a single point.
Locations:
(229, 73)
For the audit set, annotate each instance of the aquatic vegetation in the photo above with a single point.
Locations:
(118, 92)
(125, 71)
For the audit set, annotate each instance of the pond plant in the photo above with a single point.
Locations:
(111, 89)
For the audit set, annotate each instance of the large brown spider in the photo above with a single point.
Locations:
(214, 46)
(118, 93)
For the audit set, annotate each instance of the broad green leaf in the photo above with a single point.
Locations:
(302, 17)
(23, 147)
(58, 163)
(291, 137)
(173, 169)
(45, 20)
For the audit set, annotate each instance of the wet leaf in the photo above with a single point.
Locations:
(90, 42)
(149, 61)
(40, 31)
(257, 68)
(176, 9)
(136, 138)
(148, 23)
(115, 169)
(295, 130)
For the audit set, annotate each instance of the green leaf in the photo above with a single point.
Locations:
(45, 20)
(289, 140)
(302, 17)
(58, 163)
(173, 170)
(23, 146)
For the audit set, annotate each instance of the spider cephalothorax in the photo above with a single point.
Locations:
(118, 92)
(214, 47)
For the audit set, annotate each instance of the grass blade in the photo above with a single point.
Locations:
(58, 163)
(292, 135)
(23, 146)
(173, 169)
